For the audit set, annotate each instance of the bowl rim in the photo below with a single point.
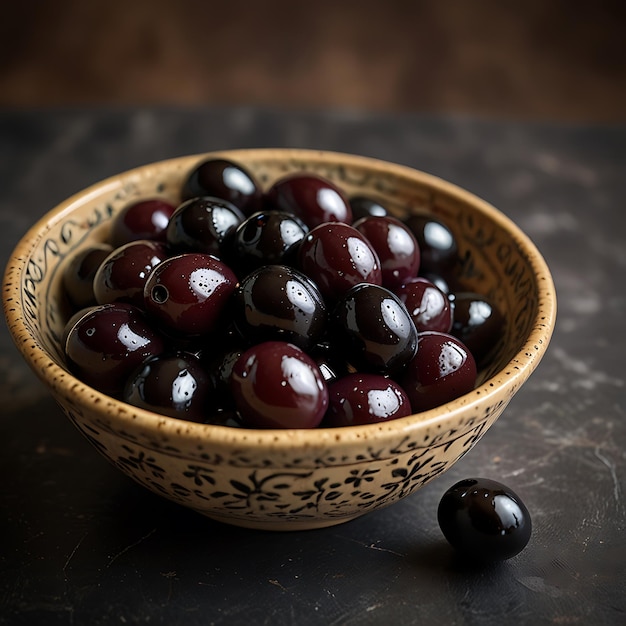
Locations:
(61, 381)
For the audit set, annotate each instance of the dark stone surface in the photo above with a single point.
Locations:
(82, 544)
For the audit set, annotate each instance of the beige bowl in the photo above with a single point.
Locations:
(286, 479)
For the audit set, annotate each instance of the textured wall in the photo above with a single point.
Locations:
(559, 59)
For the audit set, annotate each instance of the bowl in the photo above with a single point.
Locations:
(286, 479)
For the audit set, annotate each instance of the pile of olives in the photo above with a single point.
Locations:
(291, 307)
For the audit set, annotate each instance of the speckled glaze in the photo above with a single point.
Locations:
(286, 479)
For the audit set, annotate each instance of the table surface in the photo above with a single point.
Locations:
(82, 544)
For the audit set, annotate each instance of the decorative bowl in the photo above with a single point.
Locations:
(286, 479)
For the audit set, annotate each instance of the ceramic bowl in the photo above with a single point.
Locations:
(286, 479)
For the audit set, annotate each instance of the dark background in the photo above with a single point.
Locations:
(556, 60)
(522, 103)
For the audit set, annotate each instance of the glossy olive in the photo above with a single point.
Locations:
(108, 342)
(144, 219)
(427, 305)
(187, 293)
(122, 276)
(437, 244)
(358, 399)
(336, 257)
(364, 206)
(277, 385)
(310, 197)
(277, 302)
(442, 370)
(203, 225)
(174, 385)
(395, 245)
(374, 329)
(478, 323)
(484, 519)
(224, 179)
(265, 238)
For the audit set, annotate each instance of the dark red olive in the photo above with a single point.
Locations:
(187, 293)
(358, 399)
(108, 342)
(312, 198)
(224, 179)
(122, 275)
(395, 246)
(442, 370)
(143, 219)
(484, 520)
(336, 257)
(427, 305)
(277, 385)
(374, 329)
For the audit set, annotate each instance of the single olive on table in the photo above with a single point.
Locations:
(484, 519)
(293, 307)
